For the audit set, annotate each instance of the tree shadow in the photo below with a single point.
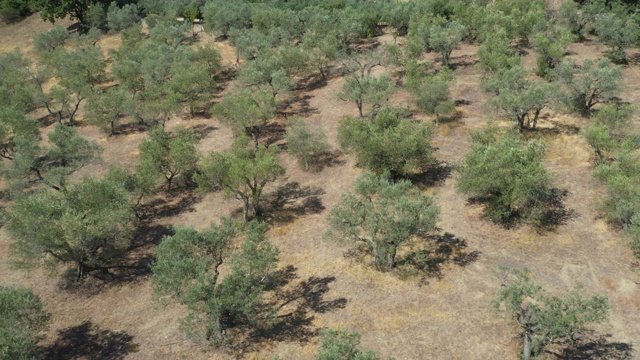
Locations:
(556, 213)
(88, 341)
(451, 119)
(273, 132)
(462, 102)
(298, 106)
(428, 261)
(173, 204)
(327, 159)
(550, 214)
(590, 346)
(463, 61)
(296, 306)
(203, 130)
(130, 128)
(435, 175)
(134, 266)
(291, 201)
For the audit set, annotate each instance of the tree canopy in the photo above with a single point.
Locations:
(507, 173)
(187, 270)
(88, 225)
(382, 216)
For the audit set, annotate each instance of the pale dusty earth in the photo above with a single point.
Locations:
(445, 317)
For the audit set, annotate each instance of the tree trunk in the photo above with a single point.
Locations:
(526, 353)
(245, 210)
(79, 272)
(521, 123)
(391, 256)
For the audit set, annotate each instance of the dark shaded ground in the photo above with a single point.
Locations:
(590, 346)
(88, 341)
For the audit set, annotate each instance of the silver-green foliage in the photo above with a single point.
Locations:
(242, 172)
(306, 144)
(591, 84)
(545, 319)
(507, 173)
(168, 156)
(89, 224)
(187, 270)
(22, 317)
(383, 216)
(389, 142)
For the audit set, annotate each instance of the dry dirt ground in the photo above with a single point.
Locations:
(445, 316)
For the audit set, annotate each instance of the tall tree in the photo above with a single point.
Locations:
(388, 143)
(383, 216)
(592, 83)
(247, 112)
(169, 155)
(67, 153)
(187, 269)
(89, 225)
(241, 172)
(545, 319)
(507, 173)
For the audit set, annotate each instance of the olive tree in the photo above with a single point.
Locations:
(59, 9)
(608, 131)
(496, 54)
(187, 270)
(551, 45)
(620, 203)
(591, 84)
(431, 93)
(221, 16)
(506, 173)
(88, 225)
(364, 89)
(618, 33)
(367, 91)
(545, 319)
(107, 108)
(242, 172)
(14, 123)
(22, 317)
(16, 91)
(247, 112)
(383, 216)
(79, 71)
(306, 144)
(444, 38)
(388, 143)
(520, 98)
(67, 153)
(168, 155)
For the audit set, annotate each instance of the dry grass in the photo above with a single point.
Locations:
(446, 318)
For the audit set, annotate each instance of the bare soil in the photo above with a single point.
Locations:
(447, 315)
